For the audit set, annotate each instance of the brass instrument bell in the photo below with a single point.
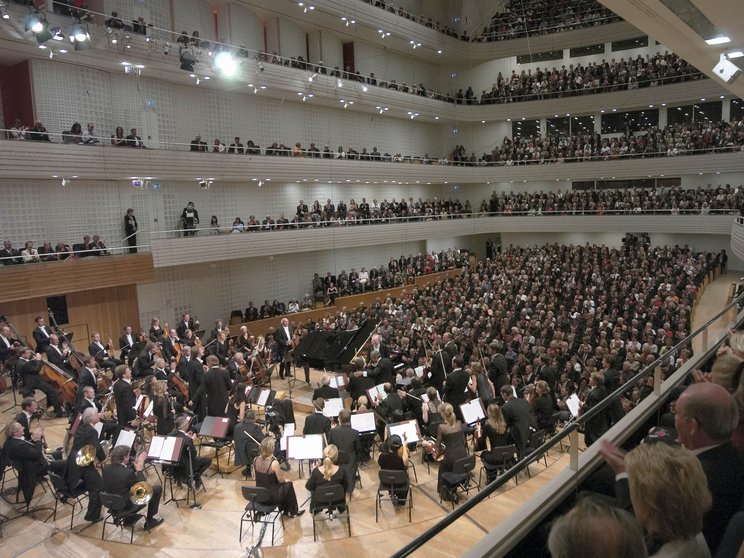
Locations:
(140, 493)
(85, 455)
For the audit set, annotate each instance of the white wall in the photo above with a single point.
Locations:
(389, 65)
(65, 94)
(245, 27)
(155, 12)
(291, 39)
(194, 15)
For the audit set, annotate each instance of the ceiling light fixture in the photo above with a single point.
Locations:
(720, 40)
(348, 21)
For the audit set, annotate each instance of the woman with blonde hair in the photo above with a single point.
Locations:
(670, 495)
(542, 406)
(270, 476)
(480, 384)
(325, 473)
(493, 434)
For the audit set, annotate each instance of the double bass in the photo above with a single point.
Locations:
(63, 382)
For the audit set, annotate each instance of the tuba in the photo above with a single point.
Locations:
(140, 493)
(85, 455)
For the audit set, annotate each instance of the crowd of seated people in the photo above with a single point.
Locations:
(621, 75)
(675, 200)
(541, 17)
(89, 247)
(671, 141)
(536, 17)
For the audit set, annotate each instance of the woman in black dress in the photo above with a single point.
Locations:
(270, 476)
(493, 434)
(163, 408)
(324, 474)
(450, 443)
(543, 407)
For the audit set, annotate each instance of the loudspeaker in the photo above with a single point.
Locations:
(58, 306)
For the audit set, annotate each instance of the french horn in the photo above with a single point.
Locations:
(85, 455)
(140, 493)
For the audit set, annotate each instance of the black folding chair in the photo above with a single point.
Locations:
(536, 439)
(502, 458)
(393, 482)
(121, 513)
(459, 479)
(257, 510)
(327, 499)
(65, 496)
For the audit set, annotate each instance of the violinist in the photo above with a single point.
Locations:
(236, 406)
(164, 409)
(216, 330)
(220, 348)
(58, 355)
(144, 363)
(394, 457)
(156, 332)
(189, 339)
(159, 370)
(111, 428)
(171, 345)
(126, 342)
(243, 341)
(101, 353)
(28, 368)
(238, 369)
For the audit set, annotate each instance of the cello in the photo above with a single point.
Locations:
(63, 382)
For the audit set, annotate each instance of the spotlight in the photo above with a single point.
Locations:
(166, 49)
(225, 63)
(203, 184)
(726, 70)
(4, 10)
(65, 182)
(36, 22)
(79, 37)
(57, 33)
(188, 59)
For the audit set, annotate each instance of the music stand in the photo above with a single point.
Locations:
(167, 450)
(216, 428)
(305, 448)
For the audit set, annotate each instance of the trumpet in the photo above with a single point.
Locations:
(140, 493)
(85, 455)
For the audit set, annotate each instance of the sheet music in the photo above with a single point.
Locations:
(156, 447)
(126, 438)
(373, 393)
(289, 430)
(148, 411)
(138, 403)
(407, 427)
(472, 411)
(169, 445)
(573, 404)
(99, 428)
(305, 447)
(263, 397)
(363, 422)
(333, 407)
(338, 381)
(419, 370)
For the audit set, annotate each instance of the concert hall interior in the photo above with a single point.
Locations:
(436, 187)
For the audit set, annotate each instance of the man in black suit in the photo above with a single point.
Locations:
(441, 365)
(124, 396)
(58, 356)
(86, 377)
(325, 391)
(598, 425)
(519, 419)
(379, 346)
(389, 409)
(29, 408)
(220, 348)
(9, 255)
(28, 370)
(145, 361)
(612, 382)
(186, 323)
(130, 230)
(381, 369)
(27, 455)
(216, 387)
(127, 341)
(456, 385)
(41, 335)
(191, 369)
(706, 416)
(546, 372)
(118, 478)
(247, 436)
(199, 464)
(6, 343)
(111, 428)
(99, 351)
(302, 209)
(216, 330)
(346, 439)
(449, 344)
(87, 435)
(283, 338)
(498, 370)
(317, 423)
(171, 345)
(359, 382)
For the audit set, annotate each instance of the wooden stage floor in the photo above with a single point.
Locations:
(213, 530)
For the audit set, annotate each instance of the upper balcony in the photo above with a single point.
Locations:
(45, 160)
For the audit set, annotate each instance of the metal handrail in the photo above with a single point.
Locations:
(227, 230)
(536, 454)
